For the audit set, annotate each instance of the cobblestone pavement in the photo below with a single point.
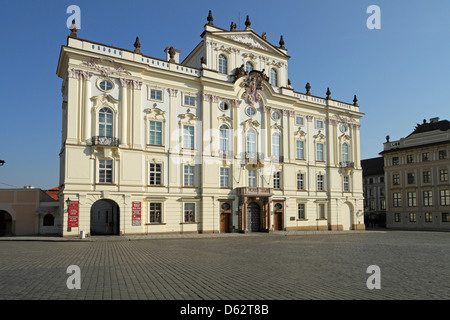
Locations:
(277, 266)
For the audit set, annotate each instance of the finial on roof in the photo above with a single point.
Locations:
(233, 26)
(355, 101)
(328, 94)
(308, 87)
(282, 43)
(137, 45)
(264, 36)
(210, 19)
(247, 23)
(73, 29)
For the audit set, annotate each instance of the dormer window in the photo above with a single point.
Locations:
(222, 64)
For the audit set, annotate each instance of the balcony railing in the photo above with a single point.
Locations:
(254, 191)
(346, 164)
(104, 141)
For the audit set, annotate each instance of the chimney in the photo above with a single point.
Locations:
(434, 120)
(172, 55)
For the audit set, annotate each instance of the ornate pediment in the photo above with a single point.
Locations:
(251, 41)
(115, 68)
(188, 118)
(155, 113)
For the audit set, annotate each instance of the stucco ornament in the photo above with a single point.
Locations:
(252, 85)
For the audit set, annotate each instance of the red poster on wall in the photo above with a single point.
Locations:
(136, 213)
(72, 221)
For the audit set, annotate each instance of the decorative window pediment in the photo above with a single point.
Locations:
(188, 118)
(155, 114)
(103, 100)
(300, 134)
(250, 124)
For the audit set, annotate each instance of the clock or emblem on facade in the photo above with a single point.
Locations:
(252, 85)
(343, 128)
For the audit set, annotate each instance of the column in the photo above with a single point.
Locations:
(136, 114)
(123, 112)
(87, 105)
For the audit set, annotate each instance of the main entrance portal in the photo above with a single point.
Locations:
(253, 217)
(105, 218)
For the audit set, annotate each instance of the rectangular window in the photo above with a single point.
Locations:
(155, 134)
(299, 121)
(189, 101)
(189, 212)
(395, 179)
(224, 177)
(410, 178)
(300, 149)
(409, 158)
(382, 204)
(189, 176)
(105, 171)
(301, 211)
(428, 198)
(322, 211)
(319, 152)
(412, 217)
(444, 197)
(320, 182)
(319, 124)
(276, 180)
(155, 174)
(155, 212)
(426, 176)
(426, 156)
(252, 178)
(428, 217)
(396, 199)
(395, 161)
(188, 137)
(346, 184)
(442, 154)
(397, 217)
(445, 217)
(443, 175)
(156, 94)
(300, 181)
(412, 199)
(371, 204)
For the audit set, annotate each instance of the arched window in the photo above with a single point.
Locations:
(276, 144)
(251, 141)
(49, 220)
(105, 123)
(248, 67)
(344, 152)
(273, 77)
(222, 64)
(224, 138)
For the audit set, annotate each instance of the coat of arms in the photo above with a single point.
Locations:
(252, 85)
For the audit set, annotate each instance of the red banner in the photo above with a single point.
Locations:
(72, 220)
(136, 213)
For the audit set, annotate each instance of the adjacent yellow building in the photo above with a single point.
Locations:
(218, 142)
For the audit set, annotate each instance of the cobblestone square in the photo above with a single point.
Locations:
(277, 266)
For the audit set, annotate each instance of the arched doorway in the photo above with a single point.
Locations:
(5, 224)
(105, 218)
(347, 213)
(253, 217)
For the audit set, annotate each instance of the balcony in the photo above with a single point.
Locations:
(254, 192)
(104, 141)
(346, 164)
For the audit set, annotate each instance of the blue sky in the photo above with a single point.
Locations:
(400, 73)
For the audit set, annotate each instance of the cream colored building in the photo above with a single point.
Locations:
(416, 175)
(217, 142)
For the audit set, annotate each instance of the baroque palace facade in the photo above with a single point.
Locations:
(219, 142)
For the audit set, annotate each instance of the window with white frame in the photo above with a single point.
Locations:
(300, 149)
(248, 67)
(443, 175)
(276, 144)
(189, 212)
(251, 141)
(105, 123)
(428, 198)
(224, 177)
(189, 101)
(320, 182)
(222, 64)
(396, 199)
(319, 152)
(188, 137)
(319, 124)
(412, 199)
(252, 178)
(300, 181)
(155, 133)
(346, 184)
(344, 152)
(301, 213)
(155, 174)
(105, 171)
(299, 121)
(444, 197)
(273, 77)
(156, 94)
(189, 176)
(155, 212)
(276, 180)
(224, 139)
